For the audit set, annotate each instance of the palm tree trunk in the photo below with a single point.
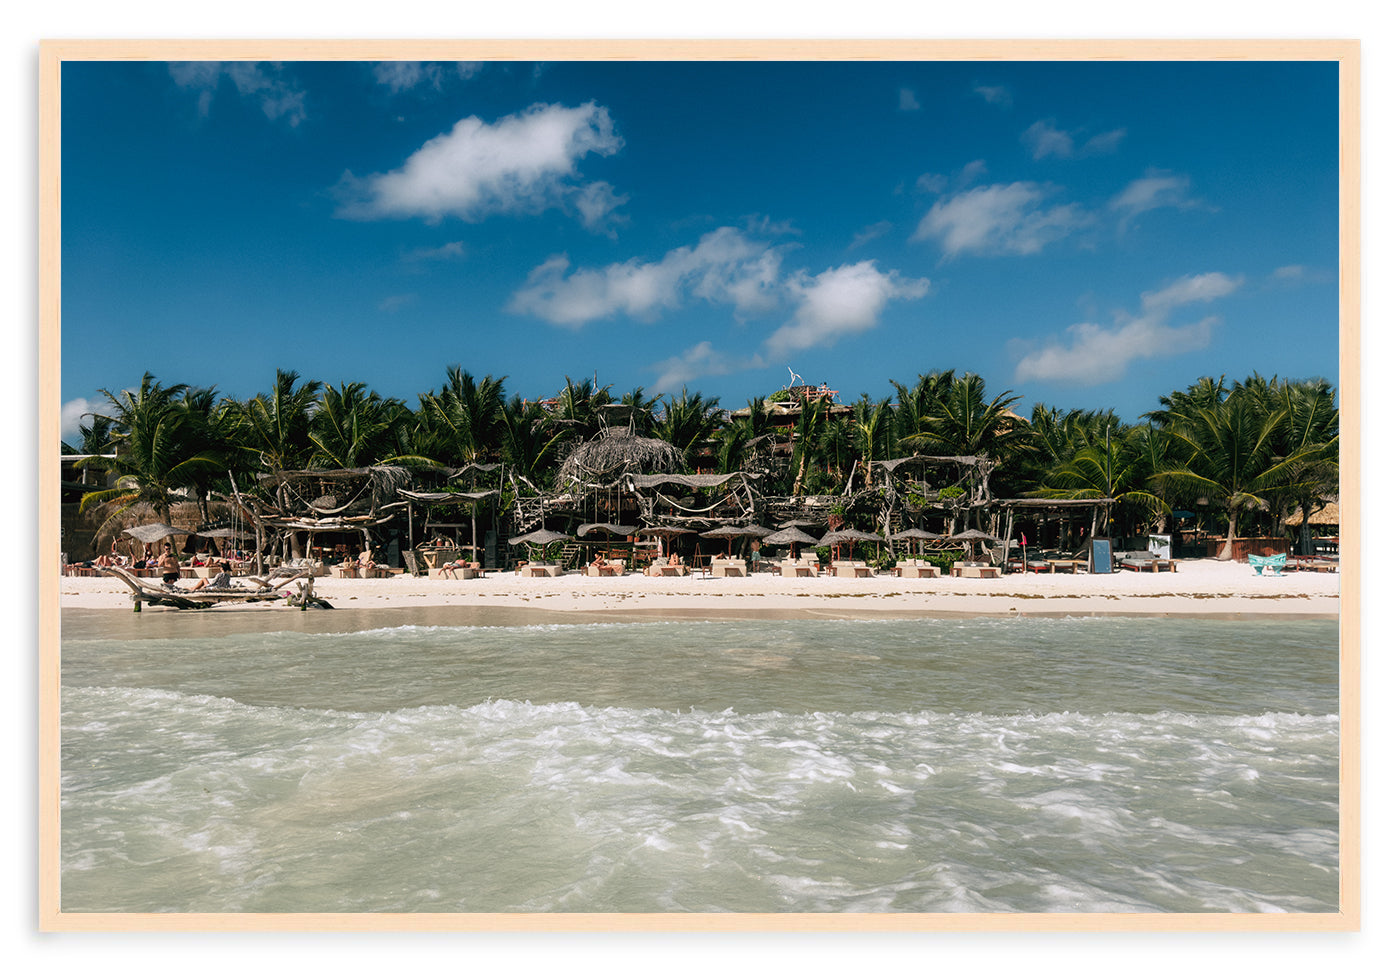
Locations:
(1228, 551)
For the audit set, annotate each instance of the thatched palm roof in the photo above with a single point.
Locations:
(616, 451)
(1328, 515)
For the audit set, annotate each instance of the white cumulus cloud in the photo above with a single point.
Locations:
(1096, 354)
(79, 411)
(724, 267)
(526, 162)
(839, 301)
(1014, 218)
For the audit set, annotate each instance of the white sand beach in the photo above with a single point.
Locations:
(1199, 587)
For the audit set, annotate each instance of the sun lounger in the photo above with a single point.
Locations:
(541, 569)
(963, 568)
(851, 569)
(798, 568)
(667, 570)
(724, 566)
(917, 569)
(611, 568)
(1274, 563)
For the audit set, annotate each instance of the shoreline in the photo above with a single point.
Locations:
(1200, 588)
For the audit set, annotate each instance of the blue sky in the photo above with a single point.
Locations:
(1084, 235)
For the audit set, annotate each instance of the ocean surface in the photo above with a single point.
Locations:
(261, 763)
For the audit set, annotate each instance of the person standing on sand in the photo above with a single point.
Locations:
(169, 566)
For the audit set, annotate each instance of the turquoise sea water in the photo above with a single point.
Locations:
(904, 765)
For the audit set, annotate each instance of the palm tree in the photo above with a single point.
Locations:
(805, 438)
(463, 420)
(161, 452)
(1104, 469)
(353, 427)
(529, 440)
(688, 421)
(275, 428)
(872, 423)
(1229, 458)
(913, 404)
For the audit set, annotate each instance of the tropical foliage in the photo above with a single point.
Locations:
(1241, 455)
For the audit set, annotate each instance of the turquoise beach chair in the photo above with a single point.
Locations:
(1275, 563)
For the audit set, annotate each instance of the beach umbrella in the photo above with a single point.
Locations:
(613, 528)
(541, 537)
(155, 532)
(836, 537)
(919, 534)
(728, 533)
(799, 523)
(970, 536)
(666, 533)
(791, 536)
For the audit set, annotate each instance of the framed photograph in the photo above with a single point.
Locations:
(645, 485)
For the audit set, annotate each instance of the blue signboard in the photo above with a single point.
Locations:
(1100, 556)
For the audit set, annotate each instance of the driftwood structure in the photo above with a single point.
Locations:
(263, 591)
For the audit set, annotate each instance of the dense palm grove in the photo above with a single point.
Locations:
(1242, 455)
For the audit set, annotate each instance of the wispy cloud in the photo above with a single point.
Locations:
(908, 100)
(1093, 354)
(279, 96)
(994, 94)
(455, 250)
(392, 304)
(402, 76)
(724, 267)
(872, 232)
(1295, 274)
(522, 163)
(1015, 218)
(1046, 141)
(699, 361)
(839, 301)
(1154, 190)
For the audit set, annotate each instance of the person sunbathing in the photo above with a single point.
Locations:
(223, 580)
(452, 566)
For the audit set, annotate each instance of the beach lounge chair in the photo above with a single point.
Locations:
(917, 569)
(1274, 563)
(851, 569)
(728, 566)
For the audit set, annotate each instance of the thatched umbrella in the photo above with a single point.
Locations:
(919, 534)
(541, 537)
(799, 523)
(970, 536)
(731, 533)
(852, 536)
(666, 533)
(792, 536)
(613, 528)
(155, 532)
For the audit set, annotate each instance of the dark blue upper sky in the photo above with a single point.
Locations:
(1083, 234)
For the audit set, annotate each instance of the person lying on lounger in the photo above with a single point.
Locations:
(223, 580)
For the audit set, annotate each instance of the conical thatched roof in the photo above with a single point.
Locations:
(617, 451)
(1328, 515)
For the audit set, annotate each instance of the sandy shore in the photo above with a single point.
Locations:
(1199, 587)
